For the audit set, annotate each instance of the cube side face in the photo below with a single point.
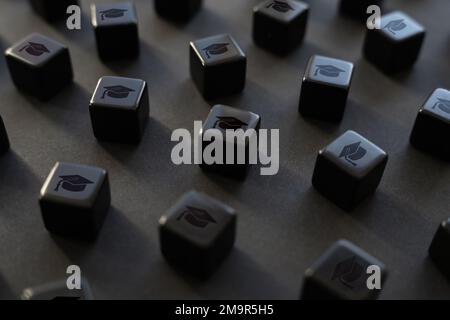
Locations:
(197, 70)
(439, 249)
(68, 221)
(224, 79)
(117, 42)
(429, 134)
(326, 173)
(115, 125)
(4, 140)
(177, 10)
(322, 101)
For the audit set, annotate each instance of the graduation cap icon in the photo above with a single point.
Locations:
(199, 218)
(280, 6)
(395, 25)
(229, 123)
(353, 152)
(216, 49)
(35, 49)
(443, 105)
(112, 13)
(116, 92)
(348, 271)
(73, 183)
(328, 70)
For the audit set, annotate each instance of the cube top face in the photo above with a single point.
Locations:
(282, 10)
(198, 218)
(35, 50)
(438, 105)
(122, 13)
(354, 154)
(329, 71)
(118, 92)
(73, 184)
(343, 268)
(398, 26)
(228, 118)
(58, 291)
(217, 50)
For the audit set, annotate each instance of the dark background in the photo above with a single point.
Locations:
(284, 224)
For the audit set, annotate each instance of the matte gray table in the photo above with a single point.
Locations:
(284, 224)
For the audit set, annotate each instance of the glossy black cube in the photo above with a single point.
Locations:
(280, 26)
(75, 200)
(218, 66)
(357, 9)
(349, 169)
(39, 66)
(58, 291)
(432, 127)
(4, 140)
(52, 10)
(177, 10)
(396, 46)
(341, 274)
(223, 118)
(120, 109)
(197, 233)
(325, 88)
(440, 248)
(116, 30)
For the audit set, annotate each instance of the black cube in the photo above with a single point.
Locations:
(280, 25)
(58, 291)
(39, 66)
(197, 233)
(4, 140)
(52, 10)
(396, 46)
(440, 248)
(218, 66)
(120, 109)
(341, 273)
(349, 169)
(432, 127)
(177, 10)
(116, 30)
(224, 118)
(325, 88)
(75, 200)
(357, 9)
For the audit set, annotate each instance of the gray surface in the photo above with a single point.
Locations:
(283, 224)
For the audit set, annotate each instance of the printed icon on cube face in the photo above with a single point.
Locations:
(197, 217)
(73, 183)
(328, 71)
(395, 25)
(353, 152)
(443, 105)
(35, 49)
(117, 92)
(216, 49)
(113, 13)
(231, 123)
(348, 271)
(280, 6)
